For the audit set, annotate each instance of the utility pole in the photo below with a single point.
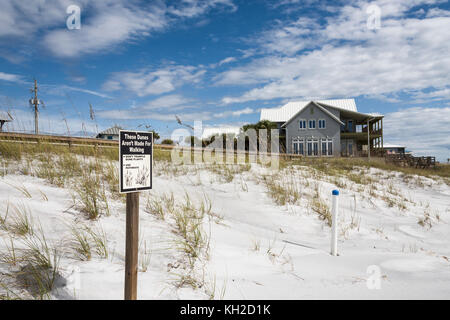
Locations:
(35, 103)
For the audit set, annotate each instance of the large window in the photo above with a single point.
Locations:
(316, 148)
(302, 124)
(322, 124)
(324, 147)
(298, 146)
(327, 147)
(309, 148)
(312, 147)
(312, 124)
(330, 147)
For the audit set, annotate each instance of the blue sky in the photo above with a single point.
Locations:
(221, 61)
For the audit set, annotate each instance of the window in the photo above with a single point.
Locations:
(298, 146)
(316, 147)
(302, 124)
(312, 147)
(312, 124)
(322, 124)
(350, 148)
(330, 147)
(324, 147)
(309, 148)
(350, 125)
(327, 147)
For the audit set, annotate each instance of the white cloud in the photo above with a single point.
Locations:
(345, 58)
(436, 12)
(234, 113)
(153, 115)
(104, 24)
(51, 89)
(153, 82)
(91, 92)
(193, 8)
(184, 114)
(434, 95)
(171, 102)
(424, 131)
(25, 18)
(112, 24)
(227, 60)
(10, 77)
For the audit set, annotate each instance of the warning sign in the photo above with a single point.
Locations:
(135, 156)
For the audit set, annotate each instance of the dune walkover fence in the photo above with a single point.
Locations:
(101, 143)
(401, 160)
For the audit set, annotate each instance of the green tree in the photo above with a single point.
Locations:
(155, 135)
(263, 124)
(167, 142)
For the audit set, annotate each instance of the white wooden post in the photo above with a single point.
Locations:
(334, 229)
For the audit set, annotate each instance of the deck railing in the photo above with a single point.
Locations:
(407, 160)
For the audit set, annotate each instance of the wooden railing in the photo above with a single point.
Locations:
(407, 160)
(38, 138)
(80, 141)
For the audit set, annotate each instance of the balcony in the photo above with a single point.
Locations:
(361, 136)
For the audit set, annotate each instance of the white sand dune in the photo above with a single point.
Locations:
(260, 250)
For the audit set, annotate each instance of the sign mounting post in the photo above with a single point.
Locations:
(135, 158)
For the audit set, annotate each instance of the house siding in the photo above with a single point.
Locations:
(312, 112)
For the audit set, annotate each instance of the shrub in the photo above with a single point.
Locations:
(167, 142)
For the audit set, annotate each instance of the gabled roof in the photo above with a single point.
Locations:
(353, 114)
(318, 106)
(113, 130)
(290, 109)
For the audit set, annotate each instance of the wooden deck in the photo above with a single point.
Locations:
(407, 160)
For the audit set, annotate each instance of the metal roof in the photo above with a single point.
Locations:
(113, 130)
(208, 132)
(321, 108)
(290, 109)
(388, 145)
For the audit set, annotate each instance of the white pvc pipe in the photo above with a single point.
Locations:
(334, 227)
